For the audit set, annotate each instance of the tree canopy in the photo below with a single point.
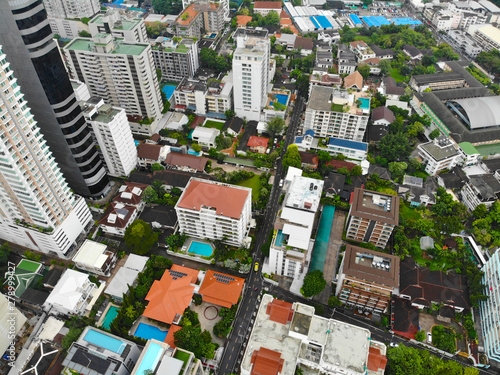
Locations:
(139, 237)
(395, 146)
(275, 126)
(167, 6)
(314, 283)
(291, 158)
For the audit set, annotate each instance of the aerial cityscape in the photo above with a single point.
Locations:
(297, 187)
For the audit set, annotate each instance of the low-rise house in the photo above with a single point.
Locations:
(383, 53)
(71, 295)
(354, 80)
(241, 21)
(305, 45)
(389, 88)
(186, 162)
(413, 52)
(221, 289)
(205, 136)
(265, 7)
(367, 279)
(258, 144)
(117, 218)
(287, 41)
(130, 194)
(361, 50)
(383, 116)
(417, 192)
(149, 154)
(126, 277)
(6, 326)
(324, 58)
(234, 126)
(350, 149)
(480, 189)
(373, 64)
(160, 217)
(94, 257)
(305, 141)
(334, 184)
(309, 160)
(346, 60)
(438, 155)
(324, 79)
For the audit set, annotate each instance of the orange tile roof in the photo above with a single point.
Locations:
(170, 296)
(228, 201)
(255, 141)
(266, 362)
(376, 360)
(170, 335)
(285, 22)
(189, 11)
(243, 20)
(280, 311)
(193, 274)
(267, 5)
(284, 14)
(354, 79)
(215, 290)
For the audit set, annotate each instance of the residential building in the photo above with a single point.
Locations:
(186, 162)
(489, 309)
(354, 81)
(383, 116)
(382, 53)
(176, 60)
(362, 50)
(309, 160)
(265, 7)
(117, 218)
(412, 52)
(350, 149)
(213, 210)
(120, 72)
(94, 257)
(367, 279)
(438, 81)
(171, 295)
(71, 295)
(438, 155)
(67, 28)
(111, 131)
(466, 44)
(126, 277)
(50, 94)
(480, 189)
(100, 353)
(198, 16)
(292, 245)
(71, 8)
(324, 58)
(389, 88)
(258, 144)
(219, 96)
(470, 155)
(250, 71)
(81, 90)
(131, 30)
(334, 113)
(346, 60)
(319, 78)
(417, 192)
(149, 154)
(285, 336)
(8, 329)
(221, 289)
(205, 136)
(130, 193)
(372, 217)
(424, 288)
(39, 211)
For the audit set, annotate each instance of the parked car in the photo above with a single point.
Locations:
(393, 345)
(429, 337)
(256, 267)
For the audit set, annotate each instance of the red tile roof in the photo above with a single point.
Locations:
(267, 5)
(280, 311)
(255, 141)
(243, 20)
(149, 151)
(341, 164)
(354, 79)
(171, 295)
(228, 201)
(131, 194)
(266, 362)
(117, 215)
(376, 360)
(221, 289)
(187, 16)
(170, 335)
(309, 159)
(155, 137)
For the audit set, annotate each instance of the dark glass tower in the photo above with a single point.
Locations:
(26, 38)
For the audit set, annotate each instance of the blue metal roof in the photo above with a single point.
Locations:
(348, 144)
(309, 132)
(299, 139)
(355, 19)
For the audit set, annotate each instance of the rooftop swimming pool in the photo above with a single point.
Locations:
(279, 238)
(146, 331)
(101, 339)
(168, 90)
(322, 238)
(365, 103)
(110, 316)
(150, 359)
(281, 98)
(200, 248)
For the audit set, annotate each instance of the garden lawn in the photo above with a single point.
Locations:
(183, 356)
(408, 213)
(254, 183)
(214, 124)
(396, 75)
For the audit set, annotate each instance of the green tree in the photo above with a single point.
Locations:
(167, 6)
(157, 167)
(196, 147)
(324, 156)
(194, 340)
(275, 127)
(420, 335)
(414, 129)
(139, 237)
(314, 283)
(398, 168)
(395, 146)
(334, 301)
(4, 255)
(364, 70)
(434, 134)
(291, 158)
(229, 114)
(480, 211)
(272, 18)
(84, 34)
(71, 337)
(384, 66)
(356, 170)
(150, 195)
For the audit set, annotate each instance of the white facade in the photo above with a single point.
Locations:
(71, 8)
(130, 29)
(213, 210)
(488, 36)
(67, 28)
(81, 90)
(94, 257)
(205, 136)
(122, 73)
(326, 122)
(112, 132)
(438, 155)
(38, 210)
(489, 310)
(71, 295)
(466, 43)
(250, 75)
(176, 59)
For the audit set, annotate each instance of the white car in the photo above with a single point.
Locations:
(429, 337)
(393, 345)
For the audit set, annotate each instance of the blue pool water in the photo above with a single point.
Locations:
(107, 342)
(145, 331)
(193, 152)
(322, 238)
(118, 2)
(365, 103)
(200, 248)
(213, 35)
(279, 238)
(137, 143)
(150, 359)
(281, 98)
(110, 316)
(168, 90)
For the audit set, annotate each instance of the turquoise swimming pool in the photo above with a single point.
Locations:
(145, 331)
(137, 143)
(200, 248)
(110, 316)
(101, 339)
(365, 103)
(321, 245)
(150, 359)
(168, 90)
(279, 238)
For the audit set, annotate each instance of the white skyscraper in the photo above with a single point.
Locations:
(37, 208)
(113, 135)
(250, 72)
(71, 8)
(120, 72)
